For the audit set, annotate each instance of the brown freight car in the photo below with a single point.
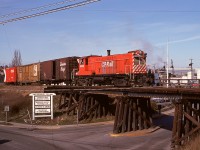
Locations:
(28, 74)
(58, 71)
(47, 71)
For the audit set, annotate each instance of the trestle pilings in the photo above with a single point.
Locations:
(88, 106)
(132, 114)
(186, 122)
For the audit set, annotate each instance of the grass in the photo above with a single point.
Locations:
(193, 144)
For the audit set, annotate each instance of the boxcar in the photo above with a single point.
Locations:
(58, 71)
(28, 74)
(10, 75)
(47, 71)
(65, 68)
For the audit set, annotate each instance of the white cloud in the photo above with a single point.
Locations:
(184, 28)
(160, 28)
(181, 40)
(152, 25)
(187, 39)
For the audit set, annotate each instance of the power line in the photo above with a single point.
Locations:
(50, 11)
(120, 11)
(146, 11)
(36, 8)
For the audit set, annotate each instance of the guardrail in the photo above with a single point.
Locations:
(189, 83)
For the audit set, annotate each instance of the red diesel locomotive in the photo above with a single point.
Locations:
(119, 69)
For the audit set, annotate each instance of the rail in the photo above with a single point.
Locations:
(188, 83)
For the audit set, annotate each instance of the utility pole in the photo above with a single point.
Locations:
(167, 63)
(190, 65)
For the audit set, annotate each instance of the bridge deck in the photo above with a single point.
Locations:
(173, 93)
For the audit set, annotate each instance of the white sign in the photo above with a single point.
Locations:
(41, 111)
(42, 97)
(42, 104)
(6, 108)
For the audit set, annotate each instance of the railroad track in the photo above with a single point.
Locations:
(181, 93)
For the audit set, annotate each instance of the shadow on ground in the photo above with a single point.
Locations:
(4, 141)
(165, 122)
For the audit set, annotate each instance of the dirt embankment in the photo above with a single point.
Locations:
(20, 103)
(11, 95)
(30, 89)
(18, 100)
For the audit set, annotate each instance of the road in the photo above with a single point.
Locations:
(88, 137)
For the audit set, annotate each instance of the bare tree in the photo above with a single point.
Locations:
(17, 60)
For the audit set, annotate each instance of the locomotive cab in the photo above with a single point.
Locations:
(85, 68)
(139, 71)
(139, 57)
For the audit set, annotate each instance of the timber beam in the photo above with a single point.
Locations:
(132, 114)
(186, 122)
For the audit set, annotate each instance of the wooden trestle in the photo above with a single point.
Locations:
(88, 106)
(132, 114)
(186, 122)
(133, 109)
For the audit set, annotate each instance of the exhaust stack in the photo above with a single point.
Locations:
(108, 52)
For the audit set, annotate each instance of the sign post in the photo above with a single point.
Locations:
(42, 105)
(6, 109)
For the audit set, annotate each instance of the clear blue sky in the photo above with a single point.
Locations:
(119, 25)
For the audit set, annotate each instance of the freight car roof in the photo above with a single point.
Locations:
(61, 58)
(29, 64)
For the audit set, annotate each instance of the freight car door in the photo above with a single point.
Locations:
(19, 76)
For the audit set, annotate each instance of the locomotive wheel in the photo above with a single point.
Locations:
(83, 82)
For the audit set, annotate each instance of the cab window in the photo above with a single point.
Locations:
(142, 61)
(136, 62)
(139, 61)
